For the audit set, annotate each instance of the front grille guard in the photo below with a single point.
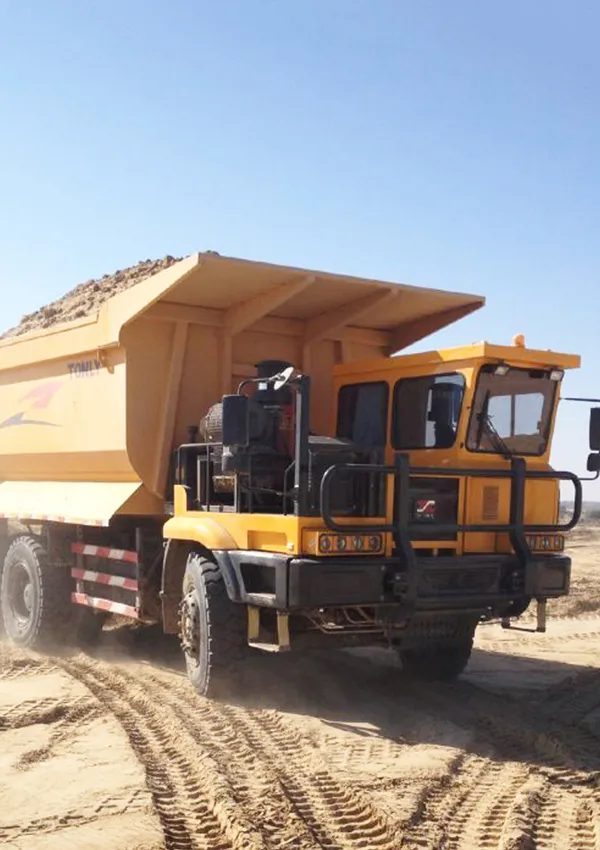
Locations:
(402, 527)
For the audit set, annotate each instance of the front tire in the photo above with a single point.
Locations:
(35, 596)
(212, 629)
(441, 658)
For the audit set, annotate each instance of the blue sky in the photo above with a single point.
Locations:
(453, 145)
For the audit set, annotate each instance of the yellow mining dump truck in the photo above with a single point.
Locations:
(230, 450)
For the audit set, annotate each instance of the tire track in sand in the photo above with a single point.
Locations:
(586, 827)
(573, 699)
(336, 814)
(259, 793)
(228, 778)
(569, 755)
(463, 797)
(481, 819)
(333, 815)
(17, 667)
(480, 803)
(562, 760)
(559, 820)
(194, 804)
(136, 802)
(255, 782)
(450, 799)
(551, 641)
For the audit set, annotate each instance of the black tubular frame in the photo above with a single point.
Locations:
(402, 527)
(204, 454)
(301, 460)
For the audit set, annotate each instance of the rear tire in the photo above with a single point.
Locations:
(35, 596)
(439, 658)
(212, 629)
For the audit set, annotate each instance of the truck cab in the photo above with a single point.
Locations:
(430, 507)
(470, 409)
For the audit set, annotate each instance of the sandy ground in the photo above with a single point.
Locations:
(116, 752)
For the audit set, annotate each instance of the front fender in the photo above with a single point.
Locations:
(184, 535)
(203, 530)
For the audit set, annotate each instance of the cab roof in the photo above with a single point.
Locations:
(482, 352)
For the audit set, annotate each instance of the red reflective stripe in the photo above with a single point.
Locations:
(105, 605)
(105, 578)
(105, 552)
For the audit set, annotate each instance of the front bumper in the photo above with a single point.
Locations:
(468, 581)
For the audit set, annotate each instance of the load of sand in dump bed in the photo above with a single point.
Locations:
(86, 298)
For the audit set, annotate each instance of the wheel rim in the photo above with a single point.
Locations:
(190, 628)
(20, 596)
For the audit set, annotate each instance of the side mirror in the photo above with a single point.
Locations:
(593, 462)
(595, 429)
(235, 424)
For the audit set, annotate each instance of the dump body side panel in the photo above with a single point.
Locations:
(65, 420)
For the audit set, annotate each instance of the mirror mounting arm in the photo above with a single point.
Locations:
(589, 477)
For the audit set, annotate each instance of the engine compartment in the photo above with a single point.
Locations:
(259, 471)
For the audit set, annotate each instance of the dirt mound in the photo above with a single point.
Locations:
(86, 298)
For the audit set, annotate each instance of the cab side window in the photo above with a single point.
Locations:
(427, 411)
(362, 414)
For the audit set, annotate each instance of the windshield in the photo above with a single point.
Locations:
(512, 411)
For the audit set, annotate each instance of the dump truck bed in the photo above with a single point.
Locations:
(90, 411)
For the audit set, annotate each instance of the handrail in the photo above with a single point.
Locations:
(402, 472)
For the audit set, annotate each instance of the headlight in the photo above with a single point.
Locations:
(331, 544)
(324, 543)
(545, 542)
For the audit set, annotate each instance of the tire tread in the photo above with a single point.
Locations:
(440, 659)
(54, 613)
(225, 627)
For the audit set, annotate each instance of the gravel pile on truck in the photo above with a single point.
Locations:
(87, 298)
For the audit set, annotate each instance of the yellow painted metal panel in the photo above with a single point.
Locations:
(482, 352)
(477, 511)
(235, 531)
(200, 529)
(86, 503)
(65, 420)
(541, 508)
(224, 284)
